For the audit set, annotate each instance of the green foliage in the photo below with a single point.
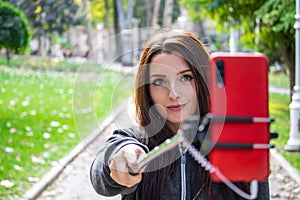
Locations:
(14, 28)
(267, 26)
(49, 16)
(97, 11)
(232, 12)
(278, 15)
(277, 32)
(197, 8)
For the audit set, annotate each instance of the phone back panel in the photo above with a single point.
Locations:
(239, 87)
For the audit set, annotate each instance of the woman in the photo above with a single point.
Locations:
(171, 85)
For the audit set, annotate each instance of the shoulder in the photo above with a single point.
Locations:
(136, 132)
(132, 135)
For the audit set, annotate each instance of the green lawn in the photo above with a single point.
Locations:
(39, 124)
(279, 110)
(279, 79)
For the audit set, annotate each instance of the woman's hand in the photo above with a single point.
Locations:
(126, 157)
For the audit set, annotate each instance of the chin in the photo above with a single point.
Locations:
(177, 120)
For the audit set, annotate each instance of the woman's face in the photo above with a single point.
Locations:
(172, 88)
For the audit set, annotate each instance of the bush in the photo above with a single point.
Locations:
(14, 29)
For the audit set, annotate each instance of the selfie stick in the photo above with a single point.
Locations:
(191, 125)
(157, 151)
(186, 130)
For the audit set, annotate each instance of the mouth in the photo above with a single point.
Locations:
(176, 108)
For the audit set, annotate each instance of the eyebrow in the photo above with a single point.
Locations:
(160, 75)
(182, 72)
(157, 75)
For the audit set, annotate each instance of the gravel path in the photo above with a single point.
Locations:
(282, 186)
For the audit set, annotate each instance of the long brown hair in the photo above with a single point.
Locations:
(197, 57)
(193, 52)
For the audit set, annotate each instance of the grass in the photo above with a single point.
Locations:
(279, 110)
(45, 114)
(36, 125)
(40, 63)
(279, 79)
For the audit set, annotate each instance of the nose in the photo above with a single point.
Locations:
(173, 94)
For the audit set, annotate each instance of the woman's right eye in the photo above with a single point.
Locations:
(159, 82)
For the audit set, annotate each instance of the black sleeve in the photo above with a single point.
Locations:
(263, 191)
(100, 172)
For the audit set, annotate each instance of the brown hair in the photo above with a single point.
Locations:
(197, 57)
(193, 52)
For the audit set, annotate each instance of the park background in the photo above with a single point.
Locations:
(46, 45)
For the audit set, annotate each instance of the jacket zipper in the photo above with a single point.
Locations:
(183, 174)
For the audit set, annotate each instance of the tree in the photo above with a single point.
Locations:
(155, 13)
(14, 29)
(275, 19)
(125, 18)
(172, 14)
(277, 33)
(168, 11)
(50, 16)
(97, 9)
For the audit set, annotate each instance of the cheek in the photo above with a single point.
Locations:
(191, 95)
(159, 99)
(195, 104)
(157, 95)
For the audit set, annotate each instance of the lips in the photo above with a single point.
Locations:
(175, 108)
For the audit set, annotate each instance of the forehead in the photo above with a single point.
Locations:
(168, 63)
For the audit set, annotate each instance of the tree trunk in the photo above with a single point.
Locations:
(117, 33)
(89, 34)
(129, 14)
(168, 10)
(290, 63)
(7, 55)
(40, 46)
(199, 28)
(107, 23)
(120, 14)
(148, 13)
(88, 28)
(49, 51)
(155, 13)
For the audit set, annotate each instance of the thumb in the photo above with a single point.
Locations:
(130, 155)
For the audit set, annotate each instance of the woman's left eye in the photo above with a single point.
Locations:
(186, 78)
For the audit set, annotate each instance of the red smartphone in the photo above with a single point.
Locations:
(239, 127)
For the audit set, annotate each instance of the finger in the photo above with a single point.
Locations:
(125, 179)
(130, 155)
